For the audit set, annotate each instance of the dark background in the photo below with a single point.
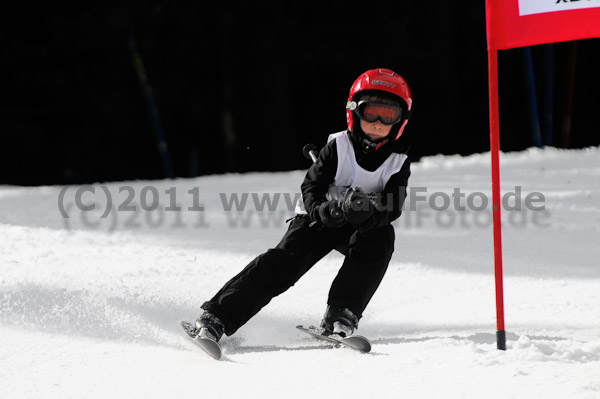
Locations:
(243, 88)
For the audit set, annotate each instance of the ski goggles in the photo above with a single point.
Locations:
(370, 111)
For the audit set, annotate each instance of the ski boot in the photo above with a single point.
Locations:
(209, 326)
(340, 321)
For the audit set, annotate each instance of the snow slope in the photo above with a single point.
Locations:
(90, 304)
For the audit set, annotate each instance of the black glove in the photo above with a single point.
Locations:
(331, 214)
(358, 209)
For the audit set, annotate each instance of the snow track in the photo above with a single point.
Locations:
(90, 305)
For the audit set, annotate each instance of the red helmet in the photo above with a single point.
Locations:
(385, 80)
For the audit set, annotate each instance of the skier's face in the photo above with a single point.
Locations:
(375, 130)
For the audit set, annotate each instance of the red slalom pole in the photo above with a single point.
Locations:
(496, 201)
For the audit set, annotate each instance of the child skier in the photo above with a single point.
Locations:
(350, 196)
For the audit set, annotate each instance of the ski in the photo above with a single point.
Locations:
(208, 345)
(356, 342)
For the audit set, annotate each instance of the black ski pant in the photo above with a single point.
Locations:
(367, 256)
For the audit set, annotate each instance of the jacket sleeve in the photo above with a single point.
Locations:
(318, 178)
(389, 206)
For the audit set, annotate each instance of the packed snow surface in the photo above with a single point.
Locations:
(95, 280)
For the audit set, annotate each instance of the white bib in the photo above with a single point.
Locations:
(350, 174)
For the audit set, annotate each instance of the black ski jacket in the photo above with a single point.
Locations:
(322, 174)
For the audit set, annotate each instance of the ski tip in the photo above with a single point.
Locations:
(212, 348)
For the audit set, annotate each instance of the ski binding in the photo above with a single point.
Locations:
(356, 342)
